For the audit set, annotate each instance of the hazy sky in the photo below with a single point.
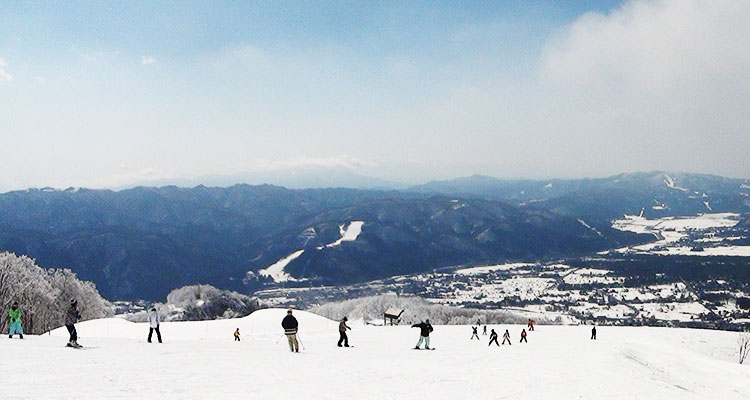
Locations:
(102, 94)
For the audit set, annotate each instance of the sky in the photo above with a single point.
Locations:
(106, 94)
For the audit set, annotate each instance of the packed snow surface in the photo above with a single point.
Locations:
(200, 360)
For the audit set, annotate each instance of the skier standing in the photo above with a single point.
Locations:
(493, 338)
(424, 334)
(531, 324)
(71, 317)
(289, 323)
(153, 321)
(15, 321)
(474, 333)
(342, 332)
(484, 332)
(523, 336)
(506, 337)
(593, 333)
(237, 335)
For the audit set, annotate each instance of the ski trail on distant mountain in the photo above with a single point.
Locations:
(275, 271)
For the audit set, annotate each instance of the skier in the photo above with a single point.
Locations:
(424, 334)
(237, 335)
(593, 333)
(71, 317)
(15, 321)
(342, 333)
(531, 324)
(506, 336)
(289, 323)
(474, 333)
(493, 338)
(484, 332)
(153, 321)
(523, 336)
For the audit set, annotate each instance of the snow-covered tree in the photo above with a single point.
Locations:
(44, 295)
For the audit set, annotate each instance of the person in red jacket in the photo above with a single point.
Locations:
(523, 336)
(531, 324)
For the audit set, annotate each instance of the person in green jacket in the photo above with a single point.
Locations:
(15, 321)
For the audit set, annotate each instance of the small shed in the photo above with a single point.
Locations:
(392, 313)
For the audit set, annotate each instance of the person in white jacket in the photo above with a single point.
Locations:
(153, 320)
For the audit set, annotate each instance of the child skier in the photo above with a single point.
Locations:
(153, 321)
(474, 333)
(342, 333)
(290, 324)
(506, 337)
(237, 335)
(531, 324)
(493, 338)
(523, 336)
(424, 334)
(15, 321)
(71, 317)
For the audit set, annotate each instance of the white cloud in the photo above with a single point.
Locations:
(5, 76)
(339, 161)
(147, 60)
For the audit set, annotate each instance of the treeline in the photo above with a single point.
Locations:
(44, 295)
(198, 303)
(417, 309)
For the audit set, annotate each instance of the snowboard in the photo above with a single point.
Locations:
(431, 348)
(79, 347)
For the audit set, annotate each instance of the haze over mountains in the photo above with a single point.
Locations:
(143, 242)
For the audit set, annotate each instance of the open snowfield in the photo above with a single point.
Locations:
(199, 360)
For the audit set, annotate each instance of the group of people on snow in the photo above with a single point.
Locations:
(289, 324)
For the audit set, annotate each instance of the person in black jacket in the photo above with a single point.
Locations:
(424, 334)
(474, 333)
(289, 323)
(71, 317)
(493, 338)
(593, 333)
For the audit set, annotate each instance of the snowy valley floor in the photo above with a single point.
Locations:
(199, 360)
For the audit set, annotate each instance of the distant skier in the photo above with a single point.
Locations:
(424, 334)
(14, 314)
(484, 332)
(523, 336)
(237, 335)
(71, 317)
(531, 324)
(506, 337)
(342, 332)
(153, 324)
(493, 338)
(289, 323)
(474, 333)
(479, 322)
(593, 333)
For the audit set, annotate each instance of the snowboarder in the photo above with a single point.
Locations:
(237, 335)
(342, 332)
(493, 338)
(424, 334)
(289, 323)
(523, 336)
(15, 321)
(484, 332)
(71, 317)
(474, 333)
(531, 324)
(506, 337)
(153, 321)
(593, 333)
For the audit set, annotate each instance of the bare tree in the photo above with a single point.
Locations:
(744, 343)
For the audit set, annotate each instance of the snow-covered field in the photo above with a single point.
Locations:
(199, 360)
(671, 233)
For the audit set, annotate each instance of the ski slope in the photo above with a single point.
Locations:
(200, 360)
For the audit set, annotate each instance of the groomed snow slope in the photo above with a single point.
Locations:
(199, 360)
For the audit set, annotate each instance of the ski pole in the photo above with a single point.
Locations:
(299, 339)
(277, 340)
